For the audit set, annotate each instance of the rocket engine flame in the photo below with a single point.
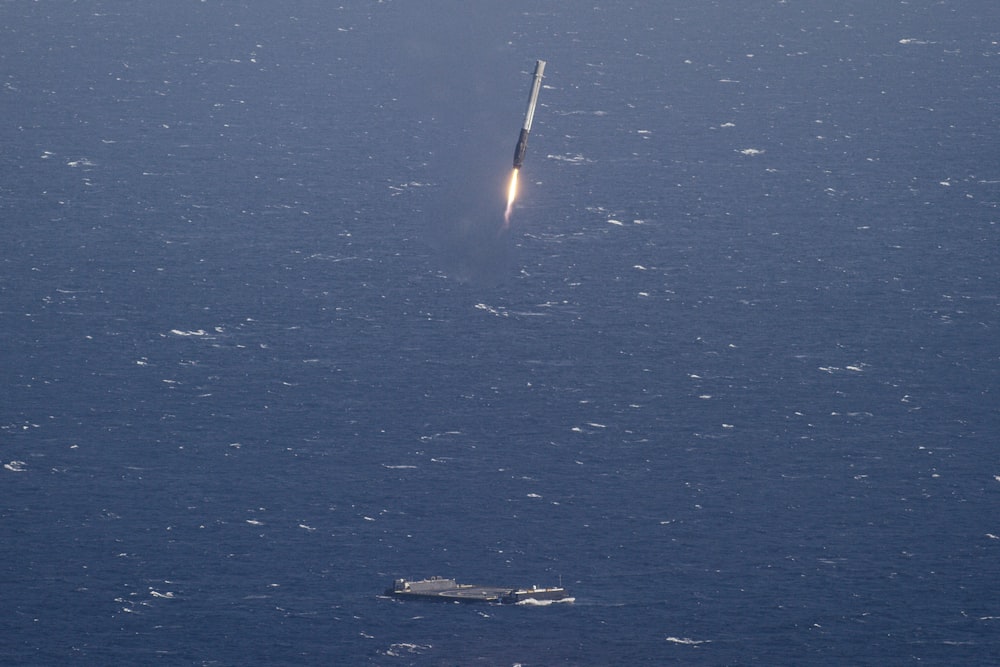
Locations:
(511, 196)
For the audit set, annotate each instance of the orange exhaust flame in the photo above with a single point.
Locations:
(511, 196)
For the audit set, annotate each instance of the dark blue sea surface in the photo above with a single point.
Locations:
(731, 375)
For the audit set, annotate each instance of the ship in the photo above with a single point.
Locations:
(449, 590)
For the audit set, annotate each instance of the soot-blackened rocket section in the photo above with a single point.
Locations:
(529, 114)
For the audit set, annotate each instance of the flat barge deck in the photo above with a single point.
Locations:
(448, 590)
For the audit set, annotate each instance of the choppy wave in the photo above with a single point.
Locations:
(686, 641)
(532, 602)
(401, 649)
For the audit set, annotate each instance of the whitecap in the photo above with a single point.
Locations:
(532, 602)
(401, 648)
(572, 159)
(14, 466)
(688, 641)
(499, 312)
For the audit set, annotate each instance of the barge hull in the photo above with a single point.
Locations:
(448, 590)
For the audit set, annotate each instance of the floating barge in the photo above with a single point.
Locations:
(449, 590)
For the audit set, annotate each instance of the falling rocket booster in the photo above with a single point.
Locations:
(529, 114)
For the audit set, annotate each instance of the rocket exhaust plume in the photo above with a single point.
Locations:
(511, 196)
(522, 139)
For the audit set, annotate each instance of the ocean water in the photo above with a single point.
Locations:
(731, 376)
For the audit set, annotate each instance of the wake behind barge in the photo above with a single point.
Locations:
(448, 590)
